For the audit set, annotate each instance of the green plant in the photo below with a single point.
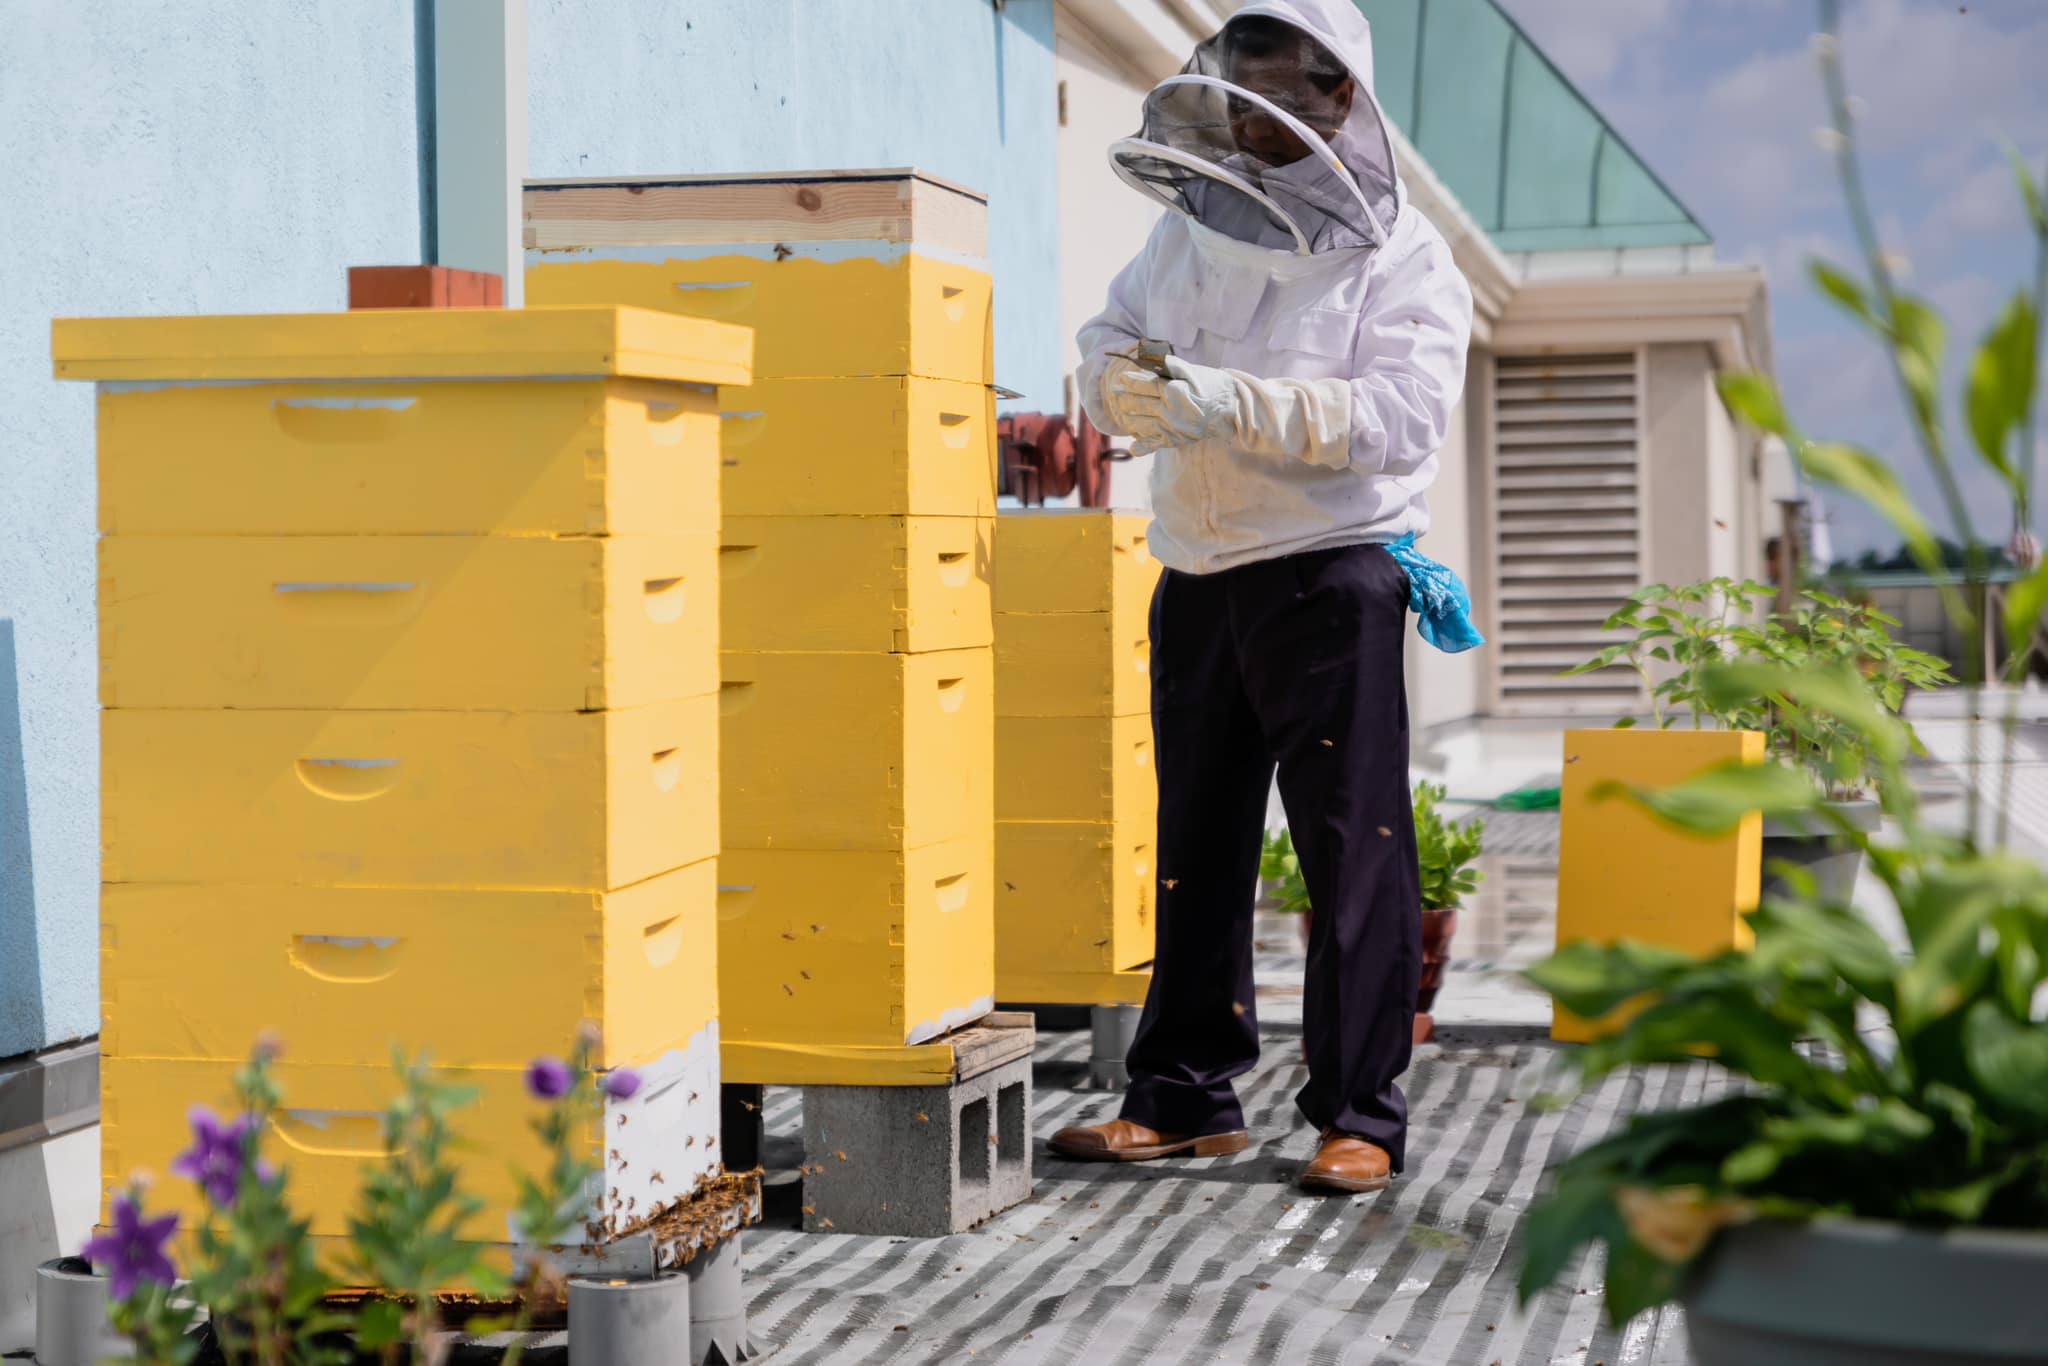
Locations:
(255, 1269)
(1911, 1088)
(1822, 631)
(1279, 864)
(1447, 850)
(406, 1237)
(1674, 633)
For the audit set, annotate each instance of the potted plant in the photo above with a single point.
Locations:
(1874, 1186)
(1445, 850)
(1821, 631)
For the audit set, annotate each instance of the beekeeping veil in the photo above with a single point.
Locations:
(1270, 133)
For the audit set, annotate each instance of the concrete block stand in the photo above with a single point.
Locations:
(925, 1161)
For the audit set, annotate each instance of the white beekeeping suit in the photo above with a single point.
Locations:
(1318, 325)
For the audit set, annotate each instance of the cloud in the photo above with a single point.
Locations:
(1589, 38)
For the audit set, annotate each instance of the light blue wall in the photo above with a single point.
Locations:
(212, 156)
(157, 156)
(953, 87)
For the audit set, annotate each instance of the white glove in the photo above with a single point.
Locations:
(1295, 419)
(1130, 399)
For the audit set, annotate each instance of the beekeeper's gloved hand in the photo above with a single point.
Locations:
(1293, 419)
(1130, 400)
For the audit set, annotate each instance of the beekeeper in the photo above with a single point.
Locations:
(1317, 330)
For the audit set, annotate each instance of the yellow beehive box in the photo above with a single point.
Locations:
(1073, 664)
(844, 273)
(1075, 768)
(342, 974)
(1623, 874)
(470, 623)
(651, 1150)
(871, 948)
(1075, 560)
(856, 751)
(408, 421)
(591, 801)
(873, 447)
(1073, 896)
(877, 584)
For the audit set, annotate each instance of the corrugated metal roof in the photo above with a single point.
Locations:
(1529, 156)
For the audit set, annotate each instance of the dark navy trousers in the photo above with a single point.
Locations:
(1294, 662)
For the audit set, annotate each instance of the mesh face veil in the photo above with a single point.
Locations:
(1269, 136)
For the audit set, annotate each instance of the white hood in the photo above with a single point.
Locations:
(1347, 193)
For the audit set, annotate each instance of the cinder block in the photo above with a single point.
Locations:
(1075, 560)
(344, 973)
(1073, 664)
(908, 585)
(868, 446)
(1073, 896)
(906, 314)
(1611, 850)
(856, 751)
(587, 800)
(831, 949)
(652, 1150)
(464, 623)
(921, 1161)
(452, 457)
(1075, 768)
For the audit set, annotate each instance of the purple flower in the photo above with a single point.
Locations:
(218, 1156)
(132, 1250)
(624, 1084)
(548, 1079)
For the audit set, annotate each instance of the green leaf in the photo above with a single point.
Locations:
(2030, 191)
(1921, 339)
(2001, 387)
(1754, 398)
(1838, 285)
(1591, 979)
(1578, 1212)
(1860, 473)
(2008, 1059)
(1716, 800)
(381, 1324)
(2026, 602)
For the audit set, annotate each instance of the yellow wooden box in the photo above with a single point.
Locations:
(878, 948)
(859, 447)
(856, 751)
(590, 801)
(471, 623)
(652, 1150)
(1075, 560)
(878, 584)
(1074, 896)
(341, 974)
(1623, 874)
(884, 314)
(1073, 664)
(411, 421)
(1076, 768)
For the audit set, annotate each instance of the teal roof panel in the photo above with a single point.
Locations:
(1530, 158)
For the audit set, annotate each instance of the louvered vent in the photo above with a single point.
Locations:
(1569, 494)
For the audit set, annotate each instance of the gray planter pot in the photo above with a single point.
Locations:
(1850, 1292)
(1813, 845)
(629, 1321)
(71, 1316)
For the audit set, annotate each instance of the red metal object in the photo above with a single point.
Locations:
(423, 287)
(1043, 457)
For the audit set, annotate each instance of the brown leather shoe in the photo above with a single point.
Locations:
(1122, 1141)
(1348, 1164)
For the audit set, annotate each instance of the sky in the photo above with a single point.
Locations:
(1723, 99)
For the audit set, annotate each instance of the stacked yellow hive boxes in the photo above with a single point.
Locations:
(855, 909)
(1077, 797)
(408, 655)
